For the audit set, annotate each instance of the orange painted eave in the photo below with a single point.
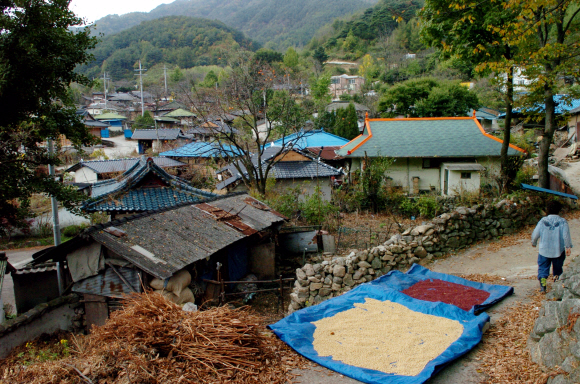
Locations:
(493, 137)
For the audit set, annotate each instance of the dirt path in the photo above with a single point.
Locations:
(516, 263)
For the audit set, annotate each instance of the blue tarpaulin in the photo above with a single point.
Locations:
(400, 281)
(544, 190)
(297, 331)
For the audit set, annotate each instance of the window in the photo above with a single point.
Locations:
(351, 81)
(466, 175)
(335, 81)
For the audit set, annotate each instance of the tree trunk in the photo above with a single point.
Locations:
(549, 129)
(506, 175)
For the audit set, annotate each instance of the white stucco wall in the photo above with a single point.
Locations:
(458, 185)
(307, 187)
(402, 171)
(85, 175)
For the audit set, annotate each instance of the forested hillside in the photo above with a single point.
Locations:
(281, 23)
(182, 41)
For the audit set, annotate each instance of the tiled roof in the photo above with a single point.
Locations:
(336, 105)
(425, 137)
(171, 106)
(179, 112)
(110, 116)
(126, 195)
(283, 169)
(156, 134)
(166, 241)
(201, 149)
(307, 139)
(95, 123)
(121, 165)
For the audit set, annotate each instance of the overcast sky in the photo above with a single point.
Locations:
(93, 10)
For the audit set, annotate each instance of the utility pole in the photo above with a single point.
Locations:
(105, 78)
(140, 70)
(54, 203)
(165, 75)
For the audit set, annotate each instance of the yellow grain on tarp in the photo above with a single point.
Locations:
(385, 336)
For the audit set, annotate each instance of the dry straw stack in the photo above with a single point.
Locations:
(153, 340)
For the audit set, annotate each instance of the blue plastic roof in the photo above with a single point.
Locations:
(538, 189)
(562, 106)
(309, 139)
(201, 149)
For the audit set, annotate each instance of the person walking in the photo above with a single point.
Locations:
(555, 243)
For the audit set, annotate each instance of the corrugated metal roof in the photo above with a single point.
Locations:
(109, 283)
(122, 165)
(564, 104)
(424, 137)
(200, 149)
(36, 268)
(181, 236)
(307, 139)
(157, 134)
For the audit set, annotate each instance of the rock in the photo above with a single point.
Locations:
(308, 270)
(500, 204)
(337, 280)
(357, 275)
(505, 223)
(339, 270)
(388, 258)
(420, 252)
(371, 257)
(407, 232)
(324, 292)
(348, 280)
(328, 280)
(317, 268)
(422, 229)
(314, 279)
(462, 210)
(336, 287)
(300, 274)
(363, 264)
(376, 264)
(315, 286)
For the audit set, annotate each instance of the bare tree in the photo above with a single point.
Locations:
(266, 106)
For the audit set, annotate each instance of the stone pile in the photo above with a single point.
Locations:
(555, 340)
(448, 232)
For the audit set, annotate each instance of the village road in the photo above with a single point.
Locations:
(515, 263)
(122, 148)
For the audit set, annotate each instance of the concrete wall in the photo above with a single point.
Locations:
(458, 185)
(85, 175)
(56, 315)
(403, 170)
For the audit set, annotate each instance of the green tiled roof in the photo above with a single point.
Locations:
(457, 137)
(110, 116)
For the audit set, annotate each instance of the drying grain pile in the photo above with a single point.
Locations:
(385, 336)
(153, 340)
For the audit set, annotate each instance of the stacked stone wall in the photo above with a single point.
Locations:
(449, 232)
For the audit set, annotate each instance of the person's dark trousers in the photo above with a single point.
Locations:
(544, 264)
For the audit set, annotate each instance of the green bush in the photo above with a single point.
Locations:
(315, 210)
(73, 230)
(427, 206)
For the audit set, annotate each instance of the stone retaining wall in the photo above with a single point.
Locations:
(63, 313)
(448, 232)
(555, 340)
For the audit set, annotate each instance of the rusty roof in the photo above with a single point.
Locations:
(163, 242)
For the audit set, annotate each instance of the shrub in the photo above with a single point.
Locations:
(428, 206)
(73, 230)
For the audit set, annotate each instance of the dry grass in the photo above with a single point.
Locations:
(504, 355)
(152, 340)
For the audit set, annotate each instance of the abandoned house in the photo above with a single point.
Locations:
(225, 238)
(443, 154)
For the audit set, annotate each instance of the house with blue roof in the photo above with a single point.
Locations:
(440, 154)
(142, 188)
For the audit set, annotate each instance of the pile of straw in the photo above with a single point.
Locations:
(152, 340)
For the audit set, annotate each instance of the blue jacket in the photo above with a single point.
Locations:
(554, 236)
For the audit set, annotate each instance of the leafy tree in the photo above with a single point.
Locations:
(268, 56)
(320, 56)
(291, 59)
(38, 55)
(546, 32)
(144, 122)
(176, 75)
(347, 122)
(475, 33)
(326, 120)
(428, 97)
(210, 79)
(320, 90)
